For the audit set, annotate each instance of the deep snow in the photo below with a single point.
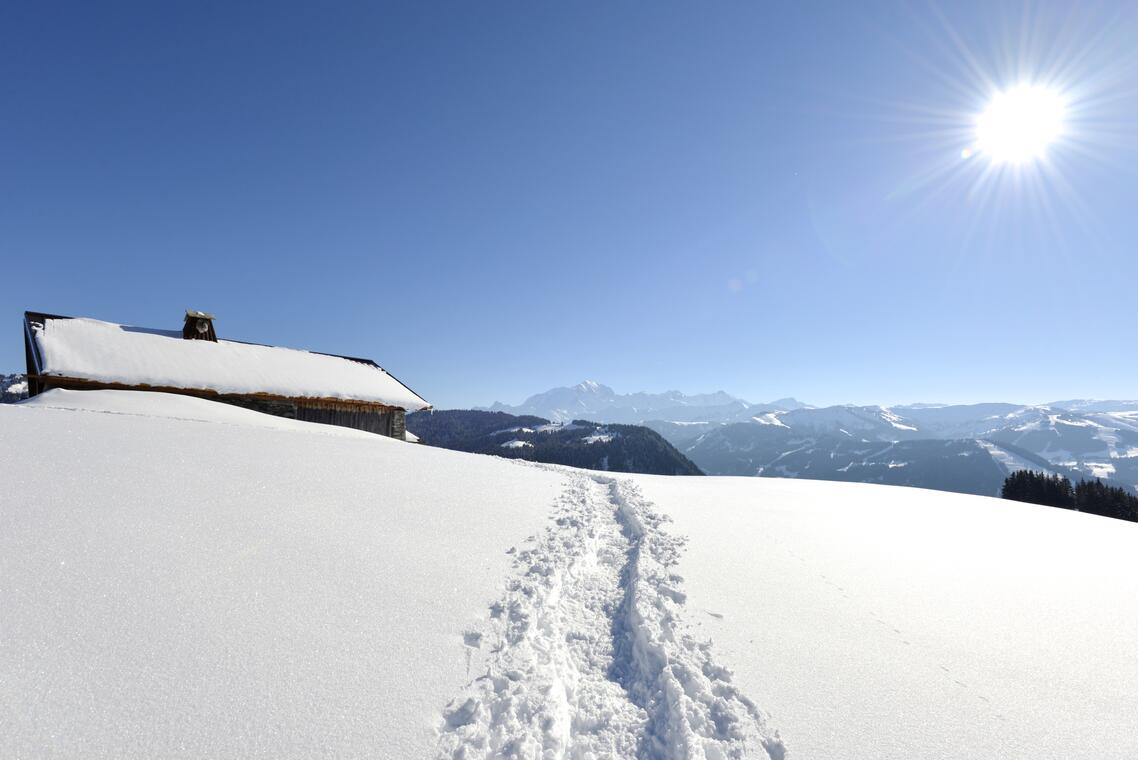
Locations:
(183, 579)
(175, 588)
(886, 622)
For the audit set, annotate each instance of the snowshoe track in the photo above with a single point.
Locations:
(588, 656)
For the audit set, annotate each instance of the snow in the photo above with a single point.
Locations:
(554, 427)
(770, 418)
(586, 653)
(879, 622)
(89, 349)
(597, 438)
(175, 407)
(177, 588)
(516, 444)
(1101, 469)
(1058, 420)
(1011, 462)
(601, 435)
(895, 420)
(18, 389)
(187, 579)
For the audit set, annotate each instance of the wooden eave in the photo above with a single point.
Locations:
(78, 383)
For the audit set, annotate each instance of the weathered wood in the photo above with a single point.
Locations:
(75, 383)
(32, 373)
(372, 418)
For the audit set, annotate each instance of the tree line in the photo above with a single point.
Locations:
(1090, 496)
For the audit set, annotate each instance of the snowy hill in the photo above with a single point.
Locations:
(186, 579)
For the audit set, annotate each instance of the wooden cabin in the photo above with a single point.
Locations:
(83, 354)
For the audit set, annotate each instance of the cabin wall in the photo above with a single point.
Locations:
(381, 420)
(275, 407)
(371, 420)
(378, 420)
(35, 387)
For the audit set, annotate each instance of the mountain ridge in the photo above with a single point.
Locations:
(595, 400)
(727, 435)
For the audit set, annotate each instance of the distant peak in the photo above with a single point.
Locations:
(590, 386)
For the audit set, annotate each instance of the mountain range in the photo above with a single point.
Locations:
(968, 448)
(594, 401)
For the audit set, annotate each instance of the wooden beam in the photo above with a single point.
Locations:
(75, 383)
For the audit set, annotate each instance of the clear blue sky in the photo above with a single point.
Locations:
(495, 198)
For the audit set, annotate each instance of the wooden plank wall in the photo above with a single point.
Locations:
(371, 420)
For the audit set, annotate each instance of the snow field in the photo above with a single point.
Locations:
(194, 589)
(886, 623)
(183, 579)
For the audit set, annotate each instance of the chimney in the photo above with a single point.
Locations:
(198, 326)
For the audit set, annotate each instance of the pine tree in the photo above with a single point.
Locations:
(1091, 496)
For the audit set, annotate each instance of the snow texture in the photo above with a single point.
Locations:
(1010, 461)
(886, 623)
(89, 349)
(589, 655)
(176, 407)
(180, 588)
(182, 579)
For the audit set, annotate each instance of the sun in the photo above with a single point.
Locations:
(1020, 123)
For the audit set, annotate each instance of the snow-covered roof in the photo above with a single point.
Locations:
(89, 349)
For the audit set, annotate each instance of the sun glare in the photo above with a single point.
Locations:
(1019, 124)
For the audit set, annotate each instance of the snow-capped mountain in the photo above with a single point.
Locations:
(599, 403)
(969, 449)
